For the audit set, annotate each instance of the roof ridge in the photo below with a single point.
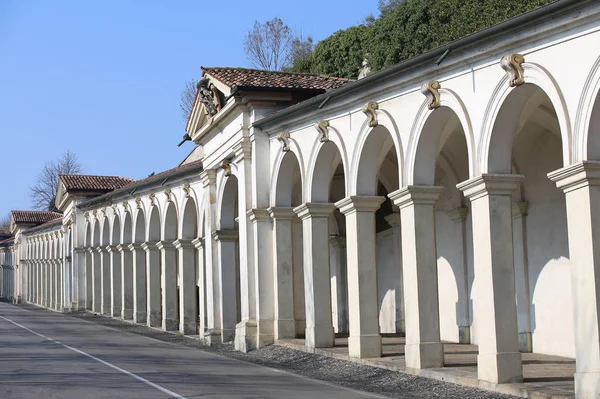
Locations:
(203, 68)
(86, 175)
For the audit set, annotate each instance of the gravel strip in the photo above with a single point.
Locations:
(352, 375)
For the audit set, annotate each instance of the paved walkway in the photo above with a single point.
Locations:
(544, 376)
(49, 355)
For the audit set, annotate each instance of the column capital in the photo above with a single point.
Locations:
(100, 249)
(312, 209)
(122, 247)
(490, 183)
(282, 213)
(258, 215)
(79, 250)
(149, 246)
(356, 203)
(393, 219)
(164, 245)
(458, 214)
(573, 177)
(183, 244)
(225, 235)
(135, 247)
(198, 242)
(520, 208)
(410, 195)
(111, 248)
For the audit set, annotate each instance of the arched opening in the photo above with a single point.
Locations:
(154, 290)
(288, 237)
(442, 160)
(140, 304)
(229, 258)
(527, 124)
(88, 267)
(96, 269)
(189, 269)
(169, 270)
(378, 173)
(139, 233)
(127, 275)
(105, 263)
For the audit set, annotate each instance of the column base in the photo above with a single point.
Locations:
(245, 336)
(364, 346)
(19, 299)
(285, 329)
(320, 337)
(587, 385)
(106, 310)
(424, 355)
(65, 310)
(155, 319)
(227, 335)
(212, 337)
(500, 368)
(300, 327)
(140, 317)
(170, 324)
(96, 308)
(116, 312)
(127, 314)
(52, 305)
(187, 327)
(464, 334)
(525, 344)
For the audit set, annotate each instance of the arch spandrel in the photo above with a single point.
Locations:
(316, 162)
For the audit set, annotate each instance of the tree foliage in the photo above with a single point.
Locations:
(43, 193)
(407, 28)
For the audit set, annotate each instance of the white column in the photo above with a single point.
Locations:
(283, 272)
(60, 305)
(581, 184)
(227, 296)
(339, 284)
(126, 282)
(419, 262)
(168, 263)
(153, 286)
(96, 267)
(139, 283)
(315, 225)
(115, 280)
(52, 283)
(188, 310)
(200, 281)
(519, 212)
(394, 221)
(361, 261)
(104, 280)
(89, 279)
(495, 308)
(78, 262)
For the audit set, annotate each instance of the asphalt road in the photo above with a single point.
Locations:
(49, 355)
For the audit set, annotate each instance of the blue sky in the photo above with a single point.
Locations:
(102, 78)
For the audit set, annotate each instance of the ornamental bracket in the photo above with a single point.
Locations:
(431, 90)
(513, 65)
(186, 190)
(168, 194)
(323, 128)
(284, 139)
(370, 109)
(226, 167)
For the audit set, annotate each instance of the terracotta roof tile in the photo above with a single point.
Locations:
(34, 217)
(94, 183)
(243, 77)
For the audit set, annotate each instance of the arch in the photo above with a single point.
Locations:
(279, 164)
(499, 117)
(127, 229)
(326, 159)
(170, 222)
(586, 147)
(228, 204)
(105, 232)
(189, 220)
(374, 139)
(96, 233)
(423, 149)
(153, 233)
(139, 233)
(285, 178)
(87, 238)
(115, 237)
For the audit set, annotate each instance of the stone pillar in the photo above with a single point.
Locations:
(188, 308)
(393, 220)
(140, 306)
(315, 227)
(495, 308)
(198, 243)
(283, 272)
(419, 261)
(581, 185)
(168, 263)
(79, 263)
(89, 278)
(519, 211)
(60, 280)
(126, 282)
(227, 299)
(361, 261)
(104, 262)
(339, 284)
(115, 280)
(52, 284)
(96, 280)
(39, 282)
(153, 285)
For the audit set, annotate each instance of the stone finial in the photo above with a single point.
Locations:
(284, 139)
(186, 190)
(370, 109)
(512, 64)
(323, 129)
(168, 194)
(226, 167)
(431, 90)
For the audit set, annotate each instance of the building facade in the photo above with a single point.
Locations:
(453, 197)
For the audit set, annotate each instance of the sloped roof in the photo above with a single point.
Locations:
(254, 78)
(34, 217)
(94, 183)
